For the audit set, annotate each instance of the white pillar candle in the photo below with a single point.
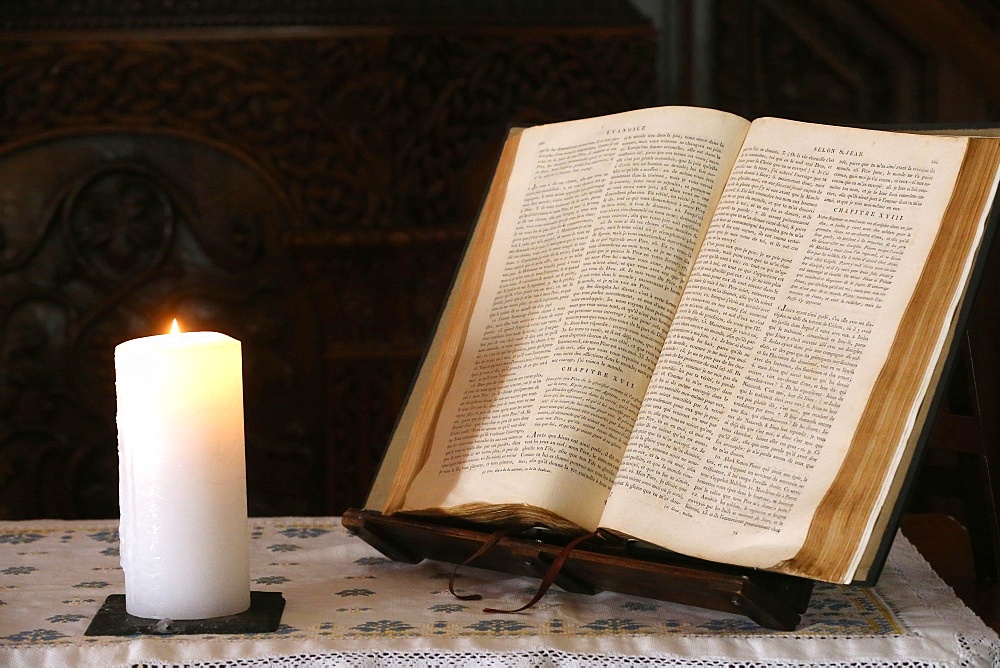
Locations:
(182, 485)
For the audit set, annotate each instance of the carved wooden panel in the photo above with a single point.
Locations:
(106, 238)
(855, 61)
(301, 176)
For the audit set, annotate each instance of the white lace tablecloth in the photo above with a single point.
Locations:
(347, 605)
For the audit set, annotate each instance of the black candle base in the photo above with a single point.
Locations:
(263, 616)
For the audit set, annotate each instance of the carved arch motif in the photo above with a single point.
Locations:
(112, 237)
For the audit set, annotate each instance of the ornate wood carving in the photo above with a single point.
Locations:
(109, 236)
(305, 190)
(854, 61)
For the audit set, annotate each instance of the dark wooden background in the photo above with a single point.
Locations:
(303, 175)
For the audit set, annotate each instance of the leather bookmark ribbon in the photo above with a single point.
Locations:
(550, 575)
(483, 549)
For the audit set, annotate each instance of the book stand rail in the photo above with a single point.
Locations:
(771, 600)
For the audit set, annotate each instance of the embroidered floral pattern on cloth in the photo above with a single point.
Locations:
(348, 605)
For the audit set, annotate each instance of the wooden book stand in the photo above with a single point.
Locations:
(969, 427)
(772, 600)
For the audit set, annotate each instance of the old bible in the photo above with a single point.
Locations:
(717, 336)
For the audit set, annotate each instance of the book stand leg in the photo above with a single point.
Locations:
(964, 459)
(769, 599)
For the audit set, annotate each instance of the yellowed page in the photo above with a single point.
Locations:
(411, 439)
(789, 315)
(594, 242)
(846, 517)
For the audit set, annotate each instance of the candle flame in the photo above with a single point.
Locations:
(174, 328)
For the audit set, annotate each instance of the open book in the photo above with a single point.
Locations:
(717, 336)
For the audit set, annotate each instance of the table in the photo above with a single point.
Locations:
(348, 605)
